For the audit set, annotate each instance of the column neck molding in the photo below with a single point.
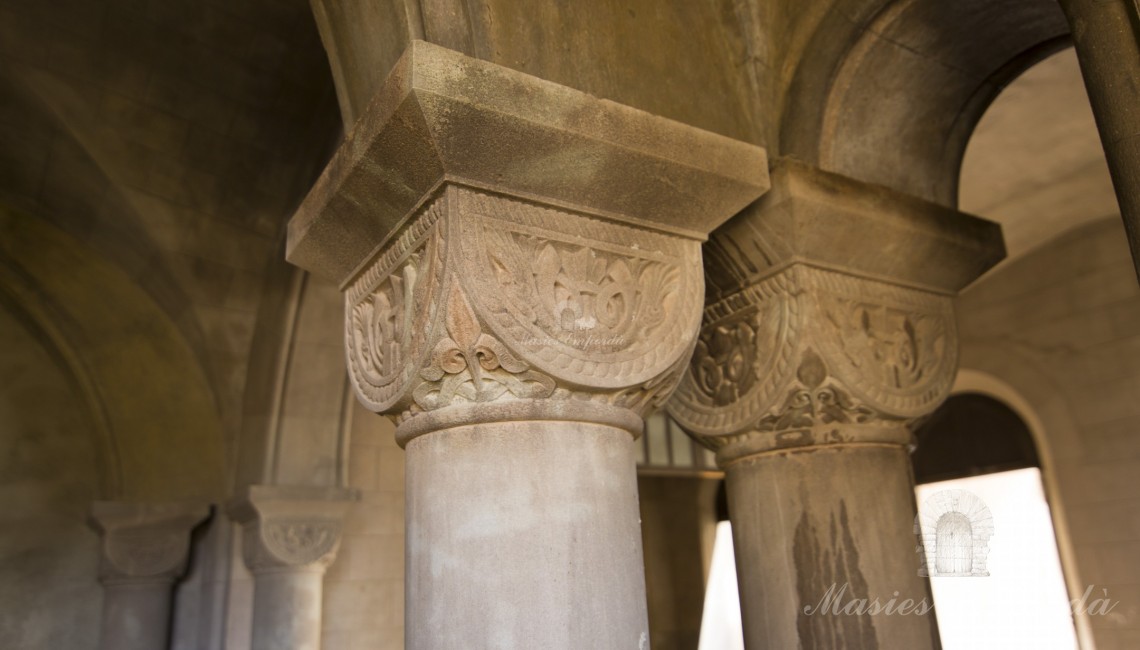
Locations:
(144, 543)
(291, 528)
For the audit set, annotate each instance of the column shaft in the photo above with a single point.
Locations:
(817, 354)
(287, 608)
(1107, 39)
(832, 536)
(524, 535)
(145, 550)
(136, 615)
(291, 535)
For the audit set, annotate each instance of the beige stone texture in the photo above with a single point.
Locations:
(828, 330)
(364, 588)
(156, 346)
(442, 117)
(507, 284)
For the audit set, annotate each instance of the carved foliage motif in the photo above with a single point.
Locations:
(863, 350)
(472, 366)
(145, 552)
(584, 299)
(727, 362)
(290, 543)
(483, 298)
(582, 296)
(384, 321)
(746, 349)
(896, 347)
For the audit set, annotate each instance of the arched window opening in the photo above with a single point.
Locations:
(955, 544)
(985, 532)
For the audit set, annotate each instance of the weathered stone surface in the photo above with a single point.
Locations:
(657, 56)
(442, 117)
(830, 329)
(830, 221)
(889, 93)
(483, 299)
(524, 534)
(291, 527)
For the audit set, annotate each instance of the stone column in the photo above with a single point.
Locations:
(291, 535)
(521, 267)
(145, 550)
(1106, 34)
(828, 331)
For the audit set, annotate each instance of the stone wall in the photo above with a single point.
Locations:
(49, 596)
(1060, 328)
(364, 588)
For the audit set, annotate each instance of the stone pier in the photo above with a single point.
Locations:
(828, 331)
(1106, 36)
(145, 550)
(521, 266)
(291, 536)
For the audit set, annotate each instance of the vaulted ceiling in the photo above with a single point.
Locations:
(1035, 162)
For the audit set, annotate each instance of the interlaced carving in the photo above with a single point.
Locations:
(808, 348)
(814, 399)
(472, 366)
(383, 323)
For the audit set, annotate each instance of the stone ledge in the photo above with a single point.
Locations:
(442, 116)
(830, 221)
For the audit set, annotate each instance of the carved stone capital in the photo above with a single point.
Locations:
(144, 542)
(484, 299)
(287, 528)
(510, 248)
(794, 356)
(803, 352)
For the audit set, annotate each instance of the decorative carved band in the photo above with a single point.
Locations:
(147, 554)
(291, 527)
(383, 323)
(290, 544)
(809, 348)
(484, 297)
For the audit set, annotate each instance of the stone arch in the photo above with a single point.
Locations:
(155, 414)
(907, 82)
(1013, 379)
(298, 404)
